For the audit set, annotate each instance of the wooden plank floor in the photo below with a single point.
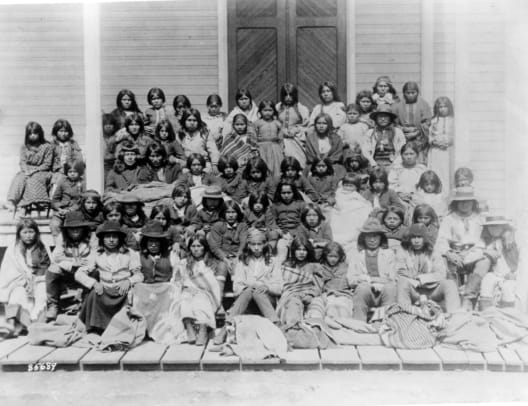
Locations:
(18, 355)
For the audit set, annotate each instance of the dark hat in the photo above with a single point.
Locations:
(463, 193)
(129, 146)
(383, 109)
(75, 219)
(109, 227)
(128, 197)
(371, 226)
(153, 229)
(213, 192)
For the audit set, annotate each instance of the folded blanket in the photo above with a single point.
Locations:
(63, 332)
(468, 331)
(126, 330)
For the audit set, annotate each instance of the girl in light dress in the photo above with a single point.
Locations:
(294, 117)
(441, 139)
(244, 105)
(269, 136)
(330, 104)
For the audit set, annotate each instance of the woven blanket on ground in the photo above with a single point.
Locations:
(307, 334)
(159, 303)
(126, 330)
(257, 338)
(410, 327)
(508, 324)
(63, 332)
(349, 331)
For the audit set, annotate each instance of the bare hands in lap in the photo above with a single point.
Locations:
(98, 288)
(260, 289)
(123, 286)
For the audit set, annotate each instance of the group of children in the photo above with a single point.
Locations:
(328, 214)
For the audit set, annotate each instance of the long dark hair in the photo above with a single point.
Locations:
(208, 258)
(32, 224)
(34, 128)
(298, 242)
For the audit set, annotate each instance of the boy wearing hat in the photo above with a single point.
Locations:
(372, 270)
(498, 286)
(382, 144)
(127, 170)
(459, 243)
(155, 253)
(73, 254)
(67, 194)
(209, 213)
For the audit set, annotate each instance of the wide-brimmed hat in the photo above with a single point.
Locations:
(153, 229)
(212, 192)
(383, 109)
(463, 193)
(128, 198)
(372, 226)
(497, 220)
(109, 227)
(129, 146)
(75, 219)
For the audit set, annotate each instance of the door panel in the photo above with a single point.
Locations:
(276, 41)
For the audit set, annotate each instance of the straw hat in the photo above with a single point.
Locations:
(496, 220)
(383, 109)
(213, 192)
(463, 193)
(128, 198)
(372, 226)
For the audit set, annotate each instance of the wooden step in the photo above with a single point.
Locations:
(378, 357)
(302, 359)
(420, 359)
(25, 358)
(68, 358)
(340, 358)
(101, 361)
(452, 359)
(146, 357)
(213, 361)
(182, 357)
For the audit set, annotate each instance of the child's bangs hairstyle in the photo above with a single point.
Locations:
(247, 254)
(430, 176)
(284, 182)
(156, 148)
(202, 240)
(328, 120)
(411, 86)
(290, 163)
(243, 92)
(242, 117)
(301, 242)
(407, 245)
(232, 205)
(183, 100)
(333, 88)
(26, 222)
(181, 190)
(422, 210)
(410, 145)
(113, 206)
(62, 124)
(378, 174)
(134, 118)
(108, 118)
(95, 196)
(155, 92)
(267, 104)
(463, 172)
(326, 161)
(129, 93)
(362, 95)
(227, 161)
(334, 248)
(447, 102)
(79, 166)
(195, 157)
(165, 125)
(288, 89)
(192, 112)
(353, 179)
(355, 157)
(258, 164)
(214, 99)
(34, 128)
(312, 207)
(122, 247)
(353, 107)
(258, 197)
(386, 80)
(395, 210)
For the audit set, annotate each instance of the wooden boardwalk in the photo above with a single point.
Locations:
(17, 355)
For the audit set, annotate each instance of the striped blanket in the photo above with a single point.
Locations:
(234, 146)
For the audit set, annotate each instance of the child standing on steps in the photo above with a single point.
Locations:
(269, 136)
(240, 143)
(215, 118)
(353, 131)
(31, 184)
(157, 111)
(244, 105)
(330, 105)
(294, 117)
(126, 106)
(441, 139)
(366, 106)
(66, 149)
(383, 92)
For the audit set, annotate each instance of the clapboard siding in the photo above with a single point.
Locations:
(444, 39)
(171, 45)
(387, 45)
(486, 57)
(42, 71)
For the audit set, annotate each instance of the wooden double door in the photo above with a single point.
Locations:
(272, 42)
